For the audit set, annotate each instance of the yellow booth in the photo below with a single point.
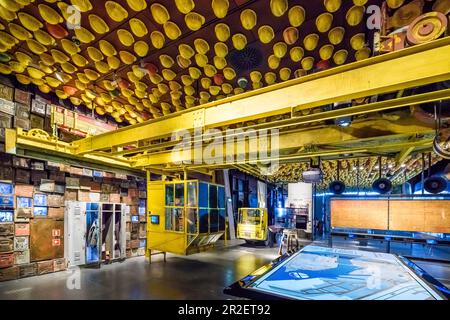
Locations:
(184, 216)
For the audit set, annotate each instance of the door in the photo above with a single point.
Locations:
(75, 222)
(46, 239)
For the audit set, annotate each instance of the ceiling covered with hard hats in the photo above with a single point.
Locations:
(135, 60)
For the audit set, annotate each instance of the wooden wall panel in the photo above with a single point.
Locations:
(420, 215)
(361, 214)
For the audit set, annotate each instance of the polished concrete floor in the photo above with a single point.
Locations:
(199, 276)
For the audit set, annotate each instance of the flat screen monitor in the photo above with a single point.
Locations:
(154, 219)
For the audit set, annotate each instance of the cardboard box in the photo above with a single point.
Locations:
(22, 97)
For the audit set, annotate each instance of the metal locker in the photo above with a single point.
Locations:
(75, 226)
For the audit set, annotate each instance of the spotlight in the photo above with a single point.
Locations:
(343, 121)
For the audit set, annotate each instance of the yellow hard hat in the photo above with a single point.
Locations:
(222, 32)
(442, 6)
(359, 2)
(310, 41)
(285, 74)
(270, 78)
(70, 47)
(209, 70)
(36, 47)
(185, 6)
(273, 62)
(266, 34)
(201, 60)
(194, 72)
(38, 82)
(340, 57)
(49, 14)
(44, 67)
(239, 41)
(214, 90)
(109, 85)
(23, 58)
(138, 72)
(94, 54)
(155, 78)
(107, 48)
(174, 86)
(201, 46)
(127, 57)
(257, 85)
(91, 74)
(205, 82)
(326, 51)
(296, 54)
(52, 82)
(220, 62)
(307, 63)
(84, 35)
(44, 88)
(59, 56)
(183, 62)
(194, 20)
(394, 4)
(290, 35)
(19, 68)
(83, 5)
(229, 73)
(11, 5)
(238, 90)
(278, 7)
(116, 11)
(255, 76)
(44, 38)
(332, 5)
(171, 30)
(19, 32)
(296, 16)
(125, 37)
(186, 51)
(299, 73)
(362, 54)
(324, 21)
(138, 27)
(336, 35)
(357, 42)
(248, 19)
(8, 40)
(35, 73)
(80, 85)
(220, 8)
(159, 13)
(166, 61)
(355, 15)
(137, 5)
(186, 79)
(102, 67)
(163, 88)
(141, 48)
(29, 22)
(47, 59)
(221, 49)
(280, 49)
(113, 62)
(23, 79)
(157, 39)
(75, 101)
(189, 90)
(227, 88)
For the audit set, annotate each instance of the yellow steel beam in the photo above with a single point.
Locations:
(414, 66)
(403, 154)
(377, 131)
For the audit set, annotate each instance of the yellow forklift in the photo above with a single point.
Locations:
(253, 226)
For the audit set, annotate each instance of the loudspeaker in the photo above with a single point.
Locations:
(382, 185)
(435, 185)
(337, 187)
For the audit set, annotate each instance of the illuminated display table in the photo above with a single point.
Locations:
(322, 273)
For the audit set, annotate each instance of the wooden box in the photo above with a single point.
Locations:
(38, 107)
(18, 162)
(46, 239)
(59, 188)
(128, 252)
(36, 122)
(56, 213)
(114, 198)
(22, 123)
(22, 97)
(104, 197)
(59, 264)
(134, 244)
(22, 176)
(22, 257)
(47, 185)
(76, 171)
(6, 260)
(84, 196)
(6, 244)
(38, 176)
(71, 195)
(128, 236)
(359, 214)
(27, 270)
(134, 252)
(87, 172)
(6, 229)
(24, 190)
(55, 200)
(95, 186)
(22, 111)
(7, 173)
(85, 183)
(141, 251)
(22, 229)
(21, 243)
(44, 267)
(134, 210)
(6, 92)
(57, 176)
(6, 121)
(7, 107)
(11, 273)
(142, 194)
(72, 183)
(37, 165)
(142, 230)
(133, 192)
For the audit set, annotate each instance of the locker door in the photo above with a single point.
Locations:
(123, 235)
(77, 233)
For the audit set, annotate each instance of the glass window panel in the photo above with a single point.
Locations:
(178, 219)
(222, 220)
(221, 197)
(192, 194)
(168, 218)
(179, 194)
(204, 220)
(169, 194)
(213, 196)
(192, 220)
(213, 220)
(203, 195)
